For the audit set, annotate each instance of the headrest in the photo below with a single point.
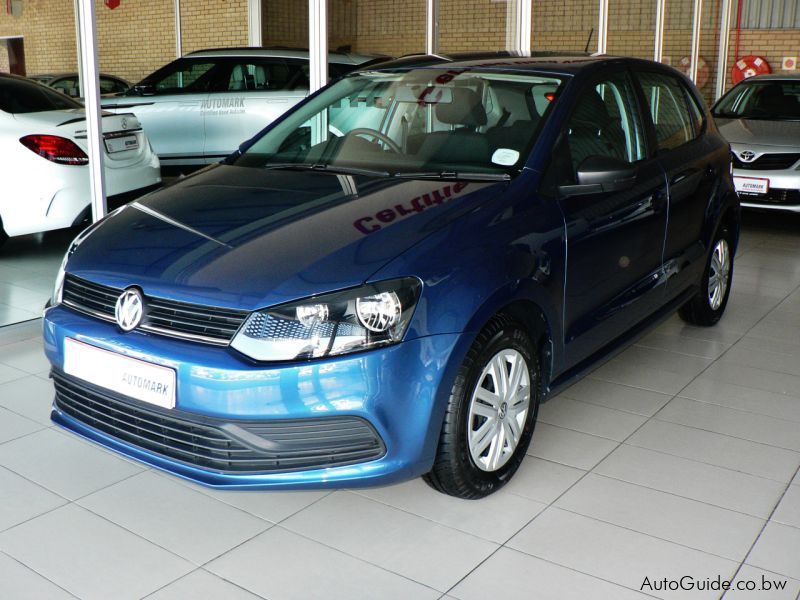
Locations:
(592, 109)
(465, 109)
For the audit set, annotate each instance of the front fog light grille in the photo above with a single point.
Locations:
(227, 446)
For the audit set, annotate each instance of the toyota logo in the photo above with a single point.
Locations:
(747, 155)
(129, 309)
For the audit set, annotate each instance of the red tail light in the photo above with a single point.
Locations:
(549, 96)
(55, 149)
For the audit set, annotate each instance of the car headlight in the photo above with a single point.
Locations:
(58, 288)
(373, 315)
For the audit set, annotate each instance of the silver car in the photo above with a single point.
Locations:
(199, 108)
(760, 118)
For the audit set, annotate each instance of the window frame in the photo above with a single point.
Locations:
(686, 94)
(548, 187)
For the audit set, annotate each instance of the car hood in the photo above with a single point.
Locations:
(248, 238)
(758, 132)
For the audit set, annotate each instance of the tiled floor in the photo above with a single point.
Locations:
(28, 266)
(678, 458)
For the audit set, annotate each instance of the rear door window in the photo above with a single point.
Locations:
(675, 120)
(260, 74)
(20, 96)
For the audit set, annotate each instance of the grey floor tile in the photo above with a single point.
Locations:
(616, 396)
(763, 359)
(64, 464)
(543, 480)
(510, 512)
(590, 418)
(719, 419)
(751, 377)
(687, 522)
(777, 550)
(273, 506)
(18, 582)
(731, 395)
(765, 585)
(412, 546)
(281, 565)
(202, 585)
(14, 426)
(513, 575)
(683, 344)
(10, 373)
(640, 376)
(10, 315)
(188, 523)
(21, 499)
(613, 553)
(676, 326)
(26, 355)
(568, 447)
(788, 511)
(29, 396)
(90, 557)
(665, 360)
(11, 334)
(717, 449)
(698, 481)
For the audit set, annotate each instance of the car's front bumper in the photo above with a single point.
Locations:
(783, 194)
(395, 390)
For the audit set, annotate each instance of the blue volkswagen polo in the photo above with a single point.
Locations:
(387, 281)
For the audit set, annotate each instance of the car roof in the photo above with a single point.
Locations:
(563, 63)
(284, 52)
(772, 77)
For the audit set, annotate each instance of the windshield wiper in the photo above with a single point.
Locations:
(455, 175)
(329, 169)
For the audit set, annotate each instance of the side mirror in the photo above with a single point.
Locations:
(144, 89)
(598, 174)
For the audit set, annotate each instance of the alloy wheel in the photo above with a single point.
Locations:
(719, 274)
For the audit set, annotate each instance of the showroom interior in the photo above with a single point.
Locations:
(668, 470)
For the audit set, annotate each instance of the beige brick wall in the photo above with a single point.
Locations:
(139, 36)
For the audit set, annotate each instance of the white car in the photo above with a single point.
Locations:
(198, 109)
(44, 173)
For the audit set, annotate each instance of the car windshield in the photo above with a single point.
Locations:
(418, 122)
(19, 96)
(769, 100)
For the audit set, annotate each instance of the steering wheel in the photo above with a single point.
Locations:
(390, 143)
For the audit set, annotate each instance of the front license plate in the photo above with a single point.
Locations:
(120, 144)
(751, 185)
(128, 376)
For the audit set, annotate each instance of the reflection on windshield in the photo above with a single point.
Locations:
(769, 100)
(416, 123)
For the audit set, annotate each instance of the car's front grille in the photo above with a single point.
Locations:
(197, 322)
(767, 162)
(234, 446)
(774, 196)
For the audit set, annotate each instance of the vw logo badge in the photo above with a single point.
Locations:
(747, 155)
(124, 123)
(129, 309)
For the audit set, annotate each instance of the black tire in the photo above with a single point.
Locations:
(454, 470)
(699, 310)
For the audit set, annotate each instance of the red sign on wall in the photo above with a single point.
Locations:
(112, 4)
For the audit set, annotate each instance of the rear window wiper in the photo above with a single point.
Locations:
(455, 175)
(329, 169)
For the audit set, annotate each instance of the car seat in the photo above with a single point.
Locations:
(594, 132)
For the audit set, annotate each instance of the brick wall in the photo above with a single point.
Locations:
(139, 36)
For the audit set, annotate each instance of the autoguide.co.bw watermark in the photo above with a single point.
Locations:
(689, 583)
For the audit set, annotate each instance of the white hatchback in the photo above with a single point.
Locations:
(45, 180)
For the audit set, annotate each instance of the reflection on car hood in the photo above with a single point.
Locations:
(248, 238)
(762, 133)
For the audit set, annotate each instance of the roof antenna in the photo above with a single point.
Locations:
(589, 41)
